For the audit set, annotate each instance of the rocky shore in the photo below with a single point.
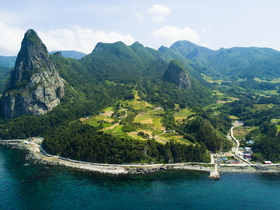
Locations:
(251, 169)
(38, 155)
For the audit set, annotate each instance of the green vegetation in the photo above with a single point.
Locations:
(84, 142)
(4, 75)
(7, 61)
(119, 108)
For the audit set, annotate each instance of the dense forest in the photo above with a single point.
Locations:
(84, 142)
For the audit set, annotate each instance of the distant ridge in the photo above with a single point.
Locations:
(235, 62)
(70, 54)
(8, 61)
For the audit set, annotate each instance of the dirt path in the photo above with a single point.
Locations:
(118, 123)
(111, 127)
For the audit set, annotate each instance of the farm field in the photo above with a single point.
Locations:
(146, 119)
(240, 132)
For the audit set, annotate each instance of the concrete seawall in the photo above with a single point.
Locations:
(37, 153)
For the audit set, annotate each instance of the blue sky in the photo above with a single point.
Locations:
(80, 25)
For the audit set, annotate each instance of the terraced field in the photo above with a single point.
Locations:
(148, 120)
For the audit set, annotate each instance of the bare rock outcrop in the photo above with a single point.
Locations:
(35, 86)
(177, 74)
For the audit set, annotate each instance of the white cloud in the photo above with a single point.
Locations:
(78, 38)
(81, 39)
(10, 39)
(171, 34)
(158, 12)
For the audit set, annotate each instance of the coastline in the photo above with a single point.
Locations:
(37, 154)
(245, 168)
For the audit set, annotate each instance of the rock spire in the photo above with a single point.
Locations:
(35, 86)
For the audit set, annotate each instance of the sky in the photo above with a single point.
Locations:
(80, 25)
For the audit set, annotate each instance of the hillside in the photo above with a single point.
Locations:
(121, 63)
(135, 104)
(7, 61)
(232, 63)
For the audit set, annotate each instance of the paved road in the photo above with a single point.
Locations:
(237, 146)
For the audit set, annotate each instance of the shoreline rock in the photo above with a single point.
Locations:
(36, 155)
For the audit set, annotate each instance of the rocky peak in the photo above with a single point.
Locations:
(177, 74)
(35, 86)
(32, 50)
(99, 47)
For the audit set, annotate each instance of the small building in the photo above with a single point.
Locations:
(248, 150)
(169, 131)
(267, 162)
(250, 142)
(158, 108)
(247, 155)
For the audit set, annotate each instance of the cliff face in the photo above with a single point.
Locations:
(35, 86)
(177, 74)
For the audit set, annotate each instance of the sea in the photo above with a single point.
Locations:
(27, 185)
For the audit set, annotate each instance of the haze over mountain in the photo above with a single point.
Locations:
(70, 54)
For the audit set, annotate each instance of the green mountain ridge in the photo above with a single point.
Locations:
(230, 63)
(169, 80)
(8, 61)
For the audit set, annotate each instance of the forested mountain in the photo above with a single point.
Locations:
(168, 79)
(121, 63)
(8, 61)
(236, 62)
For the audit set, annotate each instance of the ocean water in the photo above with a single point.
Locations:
(36, 186)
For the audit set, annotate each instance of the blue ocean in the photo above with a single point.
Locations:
(27, 185)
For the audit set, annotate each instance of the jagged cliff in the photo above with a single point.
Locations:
(177, 74)
(35, 86)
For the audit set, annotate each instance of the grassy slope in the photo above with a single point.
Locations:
(148, 120)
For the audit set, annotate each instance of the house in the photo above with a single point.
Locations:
(247, 156)
(158, 108)
(250, 142)
(248, 150)
(169, 131)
